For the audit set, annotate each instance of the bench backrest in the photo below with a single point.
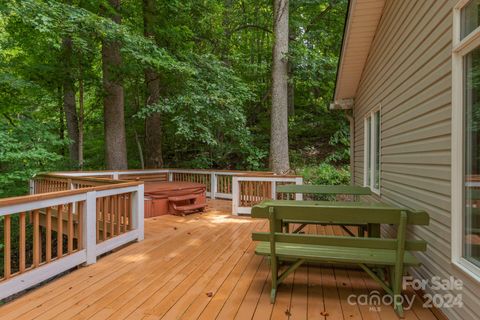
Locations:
(352, 215)
(324, 189)
(348, 214)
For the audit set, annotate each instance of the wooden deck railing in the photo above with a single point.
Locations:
(249, 190)
(70, 218)
(244, 188)
(45, 234)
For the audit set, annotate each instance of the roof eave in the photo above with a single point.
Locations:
(361, 25)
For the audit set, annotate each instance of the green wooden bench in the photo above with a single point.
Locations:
(336, 190)
(374, 255)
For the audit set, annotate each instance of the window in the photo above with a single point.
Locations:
(469, 18)
(466, 138)
(471, 164)
(372, 151)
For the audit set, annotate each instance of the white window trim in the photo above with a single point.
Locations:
(365, 153)
(371, 115)
(461, 47)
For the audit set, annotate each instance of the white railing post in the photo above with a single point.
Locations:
(274, 189)
(89, 227)
(299, 196)
(235, 195)
(31, 183)
(213, 185)
(170, 176)
(115, 175)
(138, 211)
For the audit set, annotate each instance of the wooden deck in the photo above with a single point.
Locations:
(199, 267)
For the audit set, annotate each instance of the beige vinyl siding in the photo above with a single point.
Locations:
(408, 72)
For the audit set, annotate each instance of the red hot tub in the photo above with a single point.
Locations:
(173, 198)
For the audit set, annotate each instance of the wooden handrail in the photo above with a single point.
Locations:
(63, 173)
(72, 179)
(57, 194)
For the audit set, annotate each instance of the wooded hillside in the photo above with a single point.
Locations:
(95, 84)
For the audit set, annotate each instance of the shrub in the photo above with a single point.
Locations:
(325, 174)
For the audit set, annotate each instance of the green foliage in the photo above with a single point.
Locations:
(207, 114)
(325, 174)
(340, 140)
(55, 20)
(214, 64)
(25, 150)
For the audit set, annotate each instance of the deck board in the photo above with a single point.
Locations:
(201, 266)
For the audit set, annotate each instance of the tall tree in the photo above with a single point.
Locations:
(113, 100)
(69, 104)
(279, 160)
(153, 123)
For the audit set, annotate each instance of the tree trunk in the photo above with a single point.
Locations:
(153, 123)
(291, 91)
(81, 118)
(69, 104)
(61, 118)
(279, 160)
(113, 103)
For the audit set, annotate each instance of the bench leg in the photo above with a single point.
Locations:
(299, 228)
(276, 279)
(273, 295)
(399, 267)
(274, 268)
(361, 231)
(373, 230)
(397, 291)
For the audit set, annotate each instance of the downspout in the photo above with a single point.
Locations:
(351, 120)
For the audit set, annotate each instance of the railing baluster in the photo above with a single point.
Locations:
(70, 229)
(118, 200)
(7, 250)
(105, 212)
(22, 247)
(59, 232)
(37, 243)
(129, 212)
(124, 213)
(98, 214)
(80, 205)
(48, 241)
(112, 215)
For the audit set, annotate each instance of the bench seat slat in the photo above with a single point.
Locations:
(334, 254)
(323, 222)
(341, 241)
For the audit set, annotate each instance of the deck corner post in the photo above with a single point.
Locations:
(235, 195)
(213, 185)
(138, 211)
(31, 183)
(299, 181)
(274, 190)
(90, 225)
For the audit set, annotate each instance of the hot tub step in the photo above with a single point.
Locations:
(190, 207)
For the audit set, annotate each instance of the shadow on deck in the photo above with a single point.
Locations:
(201, 267)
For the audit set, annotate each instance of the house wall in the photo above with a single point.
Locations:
(408, 72)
